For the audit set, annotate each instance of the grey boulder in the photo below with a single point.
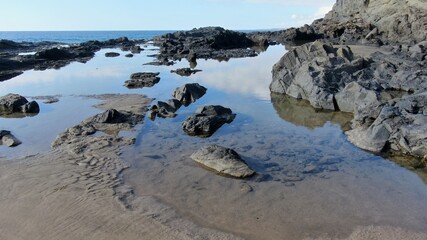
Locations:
(222, 160)
(14, 103)
(189, 93)
(6, 138)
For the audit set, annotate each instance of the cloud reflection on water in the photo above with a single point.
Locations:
(251, 76)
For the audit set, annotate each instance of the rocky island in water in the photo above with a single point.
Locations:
(178, 149)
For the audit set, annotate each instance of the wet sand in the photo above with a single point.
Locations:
(61, 194)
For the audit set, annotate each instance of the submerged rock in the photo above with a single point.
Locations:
(222, 160)
(112, 54)
(189, 93)
(14, 103)
(207, 120)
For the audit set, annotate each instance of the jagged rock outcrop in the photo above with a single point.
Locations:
(207, 42)
(386, 91)
(400, 124)
(387, 20)
(316, 72)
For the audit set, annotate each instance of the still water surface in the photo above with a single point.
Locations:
(311, 181)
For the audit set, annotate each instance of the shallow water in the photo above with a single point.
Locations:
(310, 180)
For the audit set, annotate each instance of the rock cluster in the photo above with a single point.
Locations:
(52, 55)
(208, 42)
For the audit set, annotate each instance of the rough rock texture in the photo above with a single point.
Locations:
(208, 42)
(6, 138)
(14, 103)
(165, 109)
(388, 20)
(223, 160)
(110, 121)
(400, 124)
(142, 79)
(385, 90)
(316, 72)
(290, 35)
(207, 120)
(189, 93)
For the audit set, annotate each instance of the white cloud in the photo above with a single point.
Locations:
(313, 3)
(299, 20)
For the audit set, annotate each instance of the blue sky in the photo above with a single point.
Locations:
(27, 15)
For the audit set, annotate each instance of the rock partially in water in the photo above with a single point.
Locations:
(207, 42)
(6, 138)
(189, 93)
(400, 124)
(223, 160)
(316, 72)
(207, 120)
(185, 72)
(112, 54)
(166, 109)
(142, 79)
(14, 103)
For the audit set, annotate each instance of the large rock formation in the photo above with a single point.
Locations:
(386, 91)
(208, 42)
(316, 72)
(387, 20)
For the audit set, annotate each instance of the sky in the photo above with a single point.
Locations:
(55, 15)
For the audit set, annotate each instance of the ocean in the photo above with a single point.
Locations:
(77, 36)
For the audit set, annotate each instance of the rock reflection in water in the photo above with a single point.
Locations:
(301, 113)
